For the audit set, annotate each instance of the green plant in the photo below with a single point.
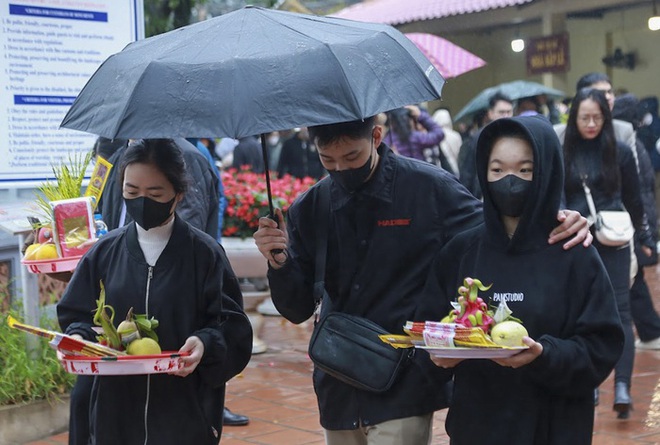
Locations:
(25, 377)
(68, 182)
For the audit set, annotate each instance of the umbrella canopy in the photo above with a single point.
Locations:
(513, 90)
(450, 59)
(252, 71)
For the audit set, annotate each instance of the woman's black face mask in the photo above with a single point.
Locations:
(147, 212)
(510, 194)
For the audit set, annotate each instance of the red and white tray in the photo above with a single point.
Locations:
(123, 365)
(52, 265)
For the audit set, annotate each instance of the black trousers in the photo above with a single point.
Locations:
(617, 264)
(644, 315)
(79, 410)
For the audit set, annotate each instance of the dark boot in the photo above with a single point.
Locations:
(231, 419)
(622, 400)
(596, 397)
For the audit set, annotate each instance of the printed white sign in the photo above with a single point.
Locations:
(50, 49)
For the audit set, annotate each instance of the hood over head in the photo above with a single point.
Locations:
(539, 216)
(651, 104)
(627, 108)
(443, 118)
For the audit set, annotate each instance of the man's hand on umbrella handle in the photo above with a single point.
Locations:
(272, 240)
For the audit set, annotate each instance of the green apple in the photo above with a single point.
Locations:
(508, 333)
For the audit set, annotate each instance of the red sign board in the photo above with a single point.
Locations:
(548, 54)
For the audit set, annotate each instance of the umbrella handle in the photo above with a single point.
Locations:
(264, 152)
(271, 214)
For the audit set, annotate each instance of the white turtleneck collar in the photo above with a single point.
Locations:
(153, 241)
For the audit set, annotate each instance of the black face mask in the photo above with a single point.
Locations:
(352, 179)
(510, 194)
(147, 212)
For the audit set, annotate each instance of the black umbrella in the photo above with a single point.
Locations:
(250, 72)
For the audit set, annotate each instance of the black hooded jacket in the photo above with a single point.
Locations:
(563, 297)
(192, 291)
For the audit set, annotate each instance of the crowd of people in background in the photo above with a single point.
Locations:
(413, 132)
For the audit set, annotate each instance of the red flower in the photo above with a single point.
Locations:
(247, 199)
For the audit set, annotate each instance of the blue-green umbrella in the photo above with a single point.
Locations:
(514, 90)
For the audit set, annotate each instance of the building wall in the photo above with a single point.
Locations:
(590, 40)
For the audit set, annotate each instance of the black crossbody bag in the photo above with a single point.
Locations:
(345, 346)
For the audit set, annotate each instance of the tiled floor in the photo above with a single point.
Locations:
(275, 391)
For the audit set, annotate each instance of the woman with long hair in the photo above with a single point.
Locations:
(593, 156)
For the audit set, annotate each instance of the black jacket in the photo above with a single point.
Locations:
(248, 153)
(563, 297)
(381, 241)
(300, 159)
(191, 291)
(200, 203)
(467, 164)
(588, 157)
(647, 192)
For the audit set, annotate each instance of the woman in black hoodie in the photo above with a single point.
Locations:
(543, 395)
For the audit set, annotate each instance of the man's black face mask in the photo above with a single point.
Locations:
(352, 179)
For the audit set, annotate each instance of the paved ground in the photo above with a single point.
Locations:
(275, 391)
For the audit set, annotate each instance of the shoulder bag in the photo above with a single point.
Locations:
(345, 346)
(613, 227)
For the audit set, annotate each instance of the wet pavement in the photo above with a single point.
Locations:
(275, 391)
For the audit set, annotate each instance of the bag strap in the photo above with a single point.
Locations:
(322, 209)
(590, 201)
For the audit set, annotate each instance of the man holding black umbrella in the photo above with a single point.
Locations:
(382, 234)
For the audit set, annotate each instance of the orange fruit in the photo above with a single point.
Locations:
(46, 252)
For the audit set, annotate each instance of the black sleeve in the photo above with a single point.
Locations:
(199, 206)
(586, 358)
(111, 202)
(467, 166)
(227, 334)
(291, 287)
(631, 195)
(283, 163)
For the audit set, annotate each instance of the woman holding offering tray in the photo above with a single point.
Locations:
(163, 267)
(544, 394)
